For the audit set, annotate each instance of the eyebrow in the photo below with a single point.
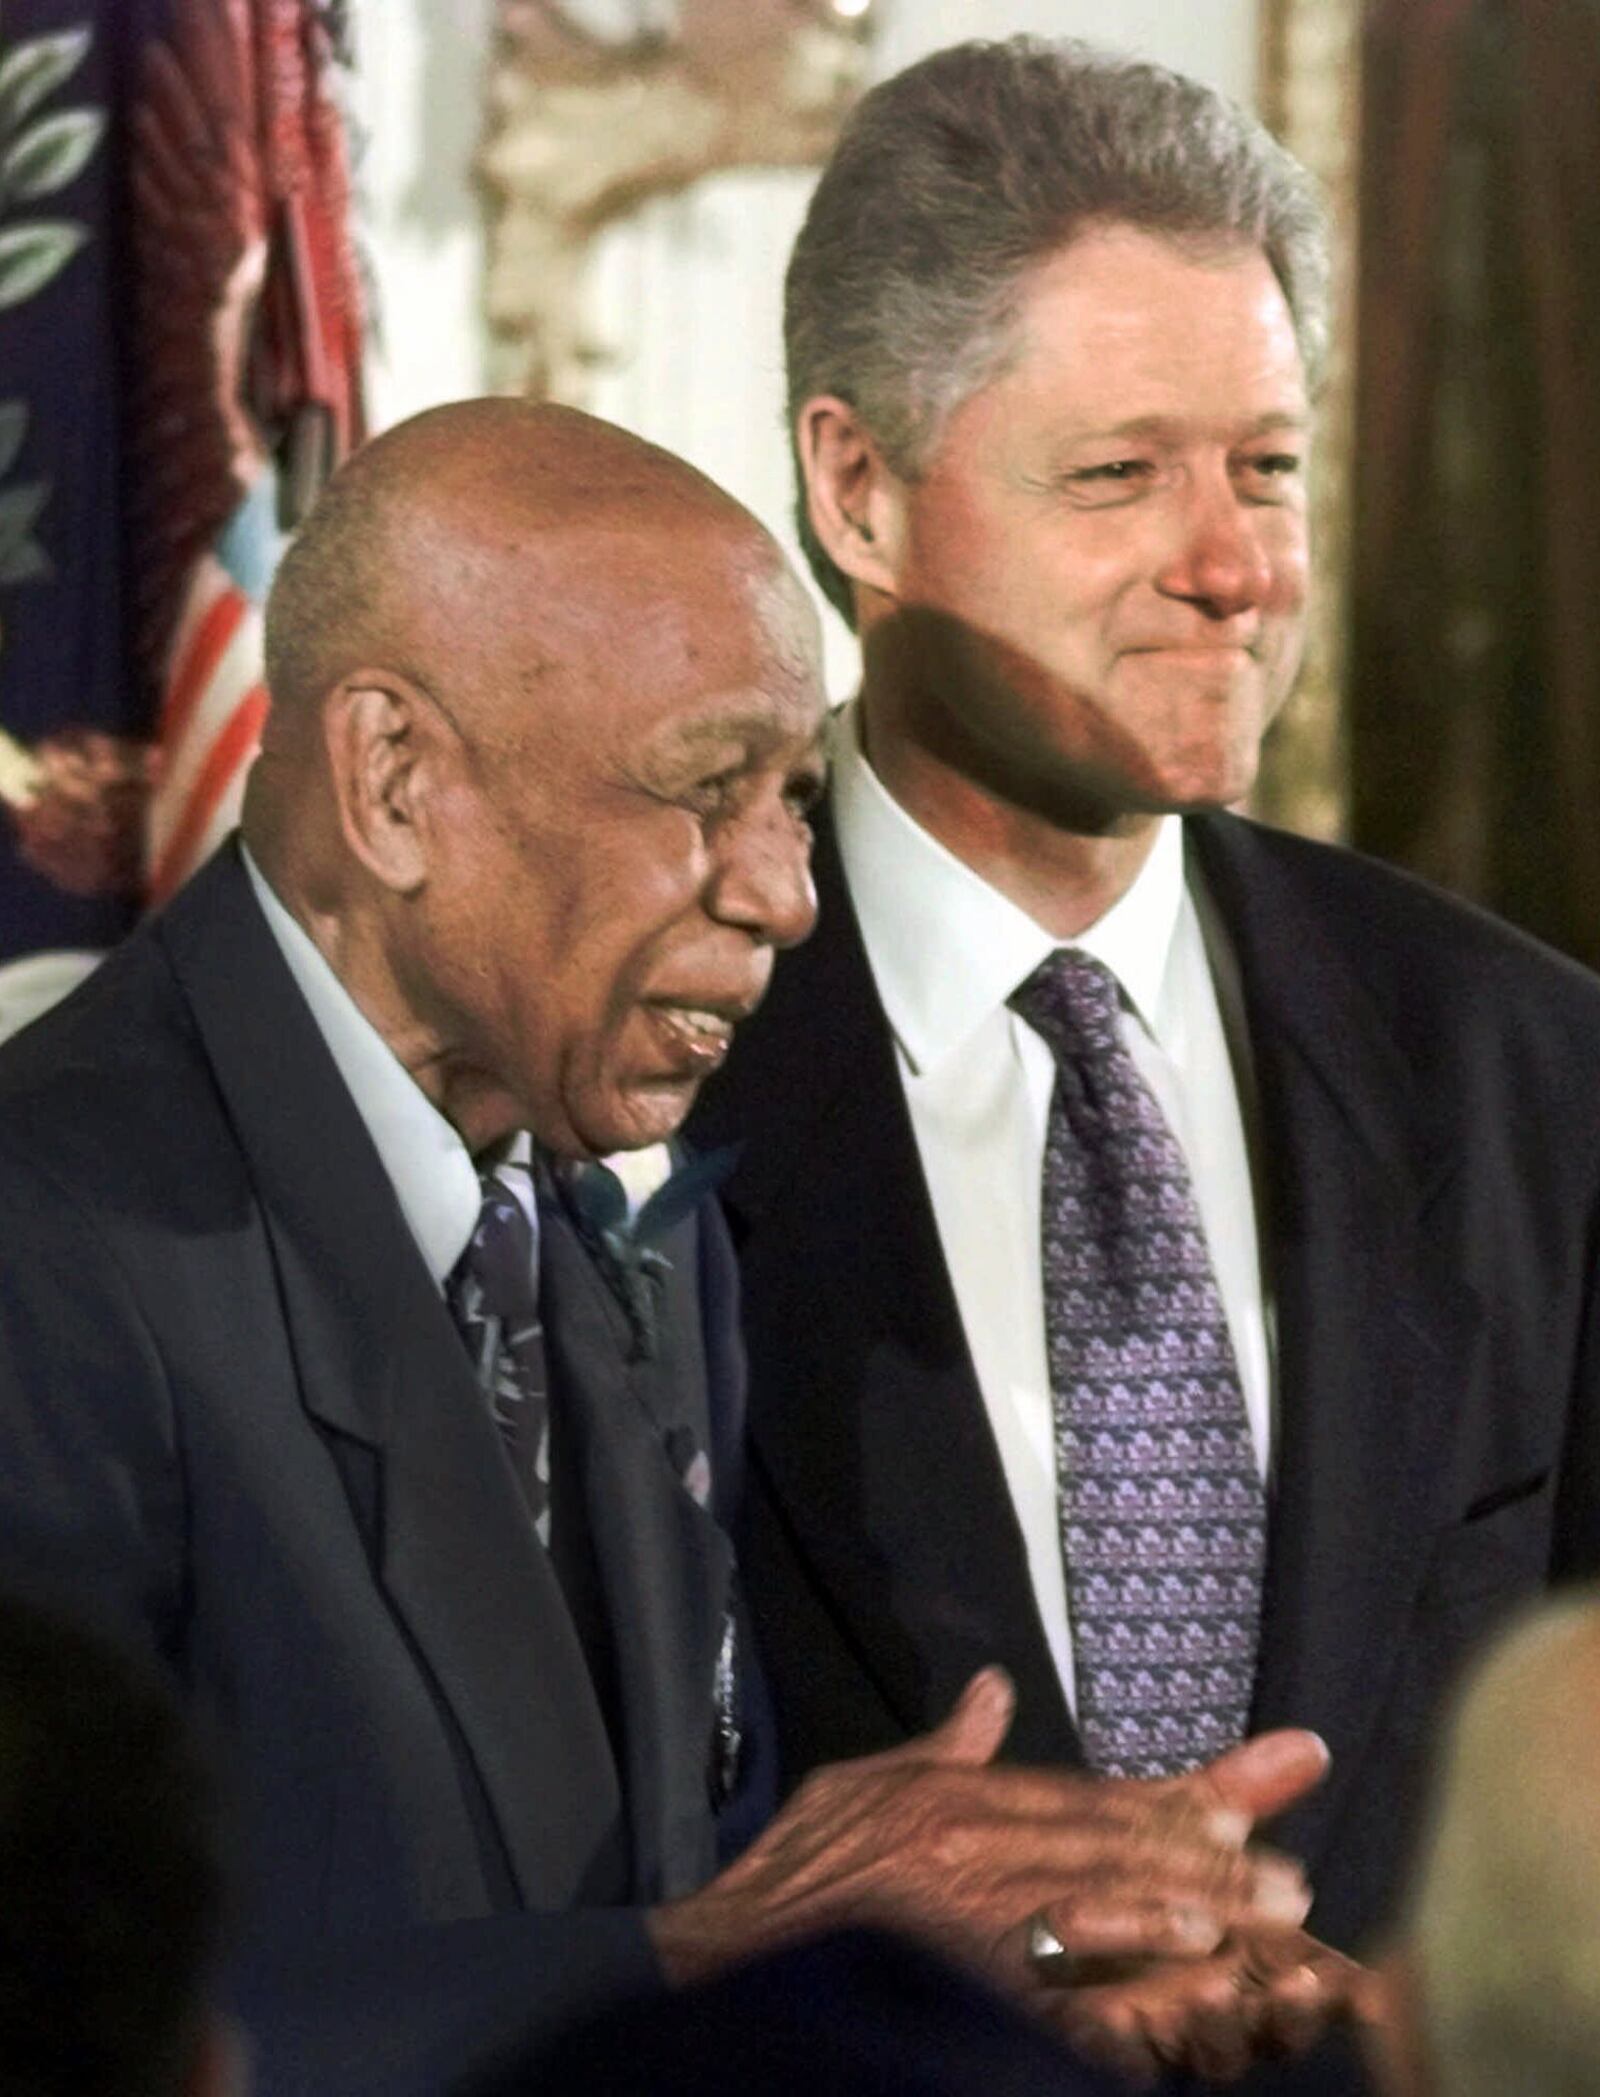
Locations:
(757, 730)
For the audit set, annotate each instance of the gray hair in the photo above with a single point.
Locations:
(1505, 1929)
(950, 181)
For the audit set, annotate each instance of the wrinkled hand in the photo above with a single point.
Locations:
(929, 1839)
(1264, 1993)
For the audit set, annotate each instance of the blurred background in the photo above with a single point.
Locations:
(236, 233)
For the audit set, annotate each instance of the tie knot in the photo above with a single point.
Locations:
(497, 1205)
(1074, 1001)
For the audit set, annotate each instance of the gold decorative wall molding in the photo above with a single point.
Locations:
(583, 129)
(1309, 94)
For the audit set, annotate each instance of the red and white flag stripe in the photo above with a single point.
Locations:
(212, 714)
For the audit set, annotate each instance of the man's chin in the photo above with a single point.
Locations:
(1206, 799)
(1207, 779)
(635, 1119)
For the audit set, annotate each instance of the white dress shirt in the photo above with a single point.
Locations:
(947, 950)
(430, 1167)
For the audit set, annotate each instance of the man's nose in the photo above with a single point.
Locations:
(762, 880)
(1219, 562)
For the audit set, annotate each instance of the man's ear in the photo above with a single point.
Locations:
(380, 735)
(856, 502)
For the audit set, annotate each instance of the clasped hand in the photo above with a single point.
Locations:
(1181, 1938)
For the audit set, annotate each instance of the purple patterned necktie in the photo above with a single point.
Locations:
(1163, 1524)
(493, 1293)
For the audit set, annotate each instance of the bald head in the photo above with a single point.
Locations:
(1505, 1939)
(546, 706)
(427, 542)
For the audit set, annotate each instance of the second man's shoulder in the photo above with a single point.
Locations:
(1429, 957)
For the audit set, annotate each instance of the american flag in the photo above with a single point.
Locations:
(179, 372)
(247, 380)
(209, 728)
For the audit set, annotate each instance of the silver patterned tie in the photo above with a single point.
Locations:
(1163, 1523)
(493, 1293)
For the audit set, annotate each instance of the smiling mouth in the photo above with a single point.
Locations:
(697, 1036)
(1200, 651)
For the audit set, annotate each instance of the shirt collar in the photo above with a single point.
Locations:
(429, 1166)
(914, 898)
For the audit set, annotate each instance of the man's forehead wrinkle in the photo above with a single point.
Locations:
(752, 726)
(1158, 424)
(686, 579)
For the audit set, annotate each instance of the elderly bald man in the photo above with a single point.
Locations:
(527, 830)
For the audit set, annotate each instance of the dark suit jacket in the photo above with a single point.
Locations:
(1429, 1166)
(851, 2015)
(237, 1422)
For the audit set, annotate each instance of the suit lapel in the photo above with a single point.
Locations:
(665, 1565)
(865, 1410)
(1372, 1334)
(379, 1361)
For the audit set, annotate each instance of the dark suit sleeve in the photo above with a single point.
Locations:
(407, 2014)
(91, 1499)
(93, 1520)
